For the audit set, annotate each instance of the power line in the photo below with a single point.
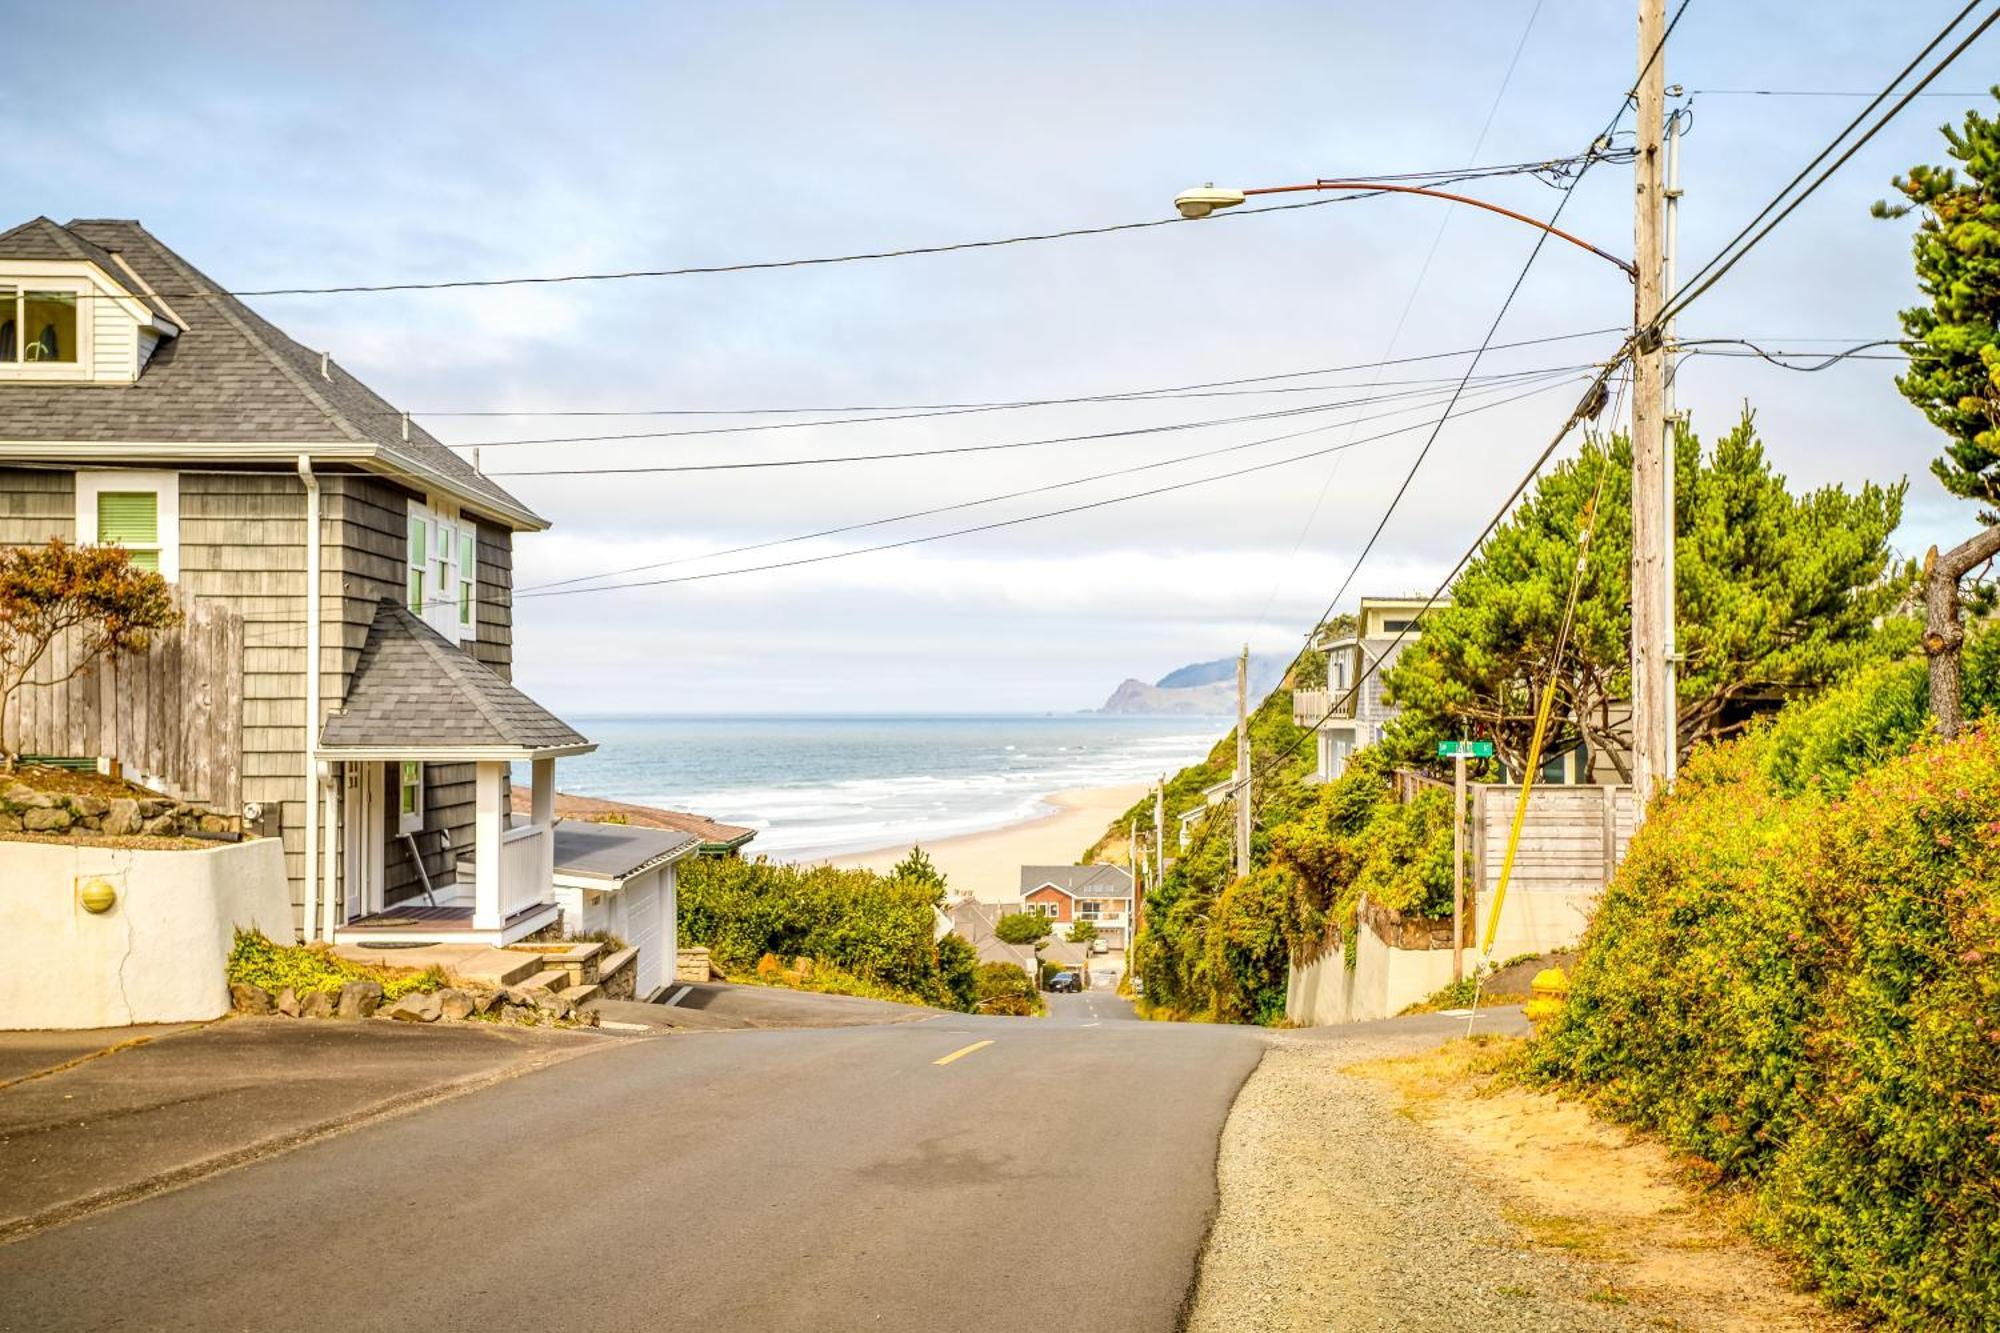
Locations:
(1118, 395)
(1783, 359)
(1555, 165)
(735, 465)
(1808, 92)
(1724, 260)
(1035, 490)
(987, 527)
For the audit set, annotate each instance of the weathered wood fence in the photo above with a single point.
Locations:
(171, 716)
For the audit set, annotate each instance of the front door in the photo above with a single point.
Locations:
(361, 793)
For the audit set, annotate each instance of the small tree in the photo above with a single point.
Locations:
(1954, 375)
(1082, 932)
(918, 868)
(48, 591)
(1022, 927)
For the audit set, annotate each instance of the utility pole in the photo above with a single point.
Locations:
(1160, 832)
(1670, 418)
(1458, 864)
(1650, 726)
(1243, 763)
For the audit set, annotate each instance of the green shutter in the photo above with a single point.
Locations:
(128, 518)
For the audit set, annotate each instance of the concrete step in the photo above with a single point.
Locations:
(581, 994)
(495, 967)
(553, 978)
(472, 964)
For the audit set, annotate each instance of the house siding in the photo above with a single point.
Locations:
(36, 505)
(1055, 896)
(242, 544)
(114, 335)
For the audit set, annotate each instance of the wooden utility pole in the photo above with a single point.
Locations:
(1243, 763)
(1650, 724)
(1457, 864)
(1160, 831)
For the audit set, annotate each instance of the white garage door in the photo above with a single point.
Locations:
(642, 926)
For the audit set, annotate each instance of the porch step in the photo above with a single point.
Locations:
(554, 978)
(476, 964)
(495, 967)
(581, 994)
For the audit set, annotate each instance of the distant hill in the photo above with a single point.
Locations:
(1199, 689)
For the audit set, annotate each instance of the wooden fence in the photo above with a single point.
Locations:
(1572, 840)
(172, 716)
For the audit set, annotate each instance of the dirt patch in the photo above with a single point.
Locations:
(72, 782)
(136, 842)
(1667, 1249)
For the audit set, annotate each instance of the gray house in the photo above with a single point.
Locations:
(1354, 707)
(343, 679)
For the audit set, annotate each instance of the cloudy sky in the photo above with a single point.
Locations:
(297, 144)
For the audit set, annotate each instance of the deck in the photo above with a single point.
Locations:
(410, 923)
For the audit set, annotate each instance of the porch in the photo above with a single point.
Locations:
(419, 717)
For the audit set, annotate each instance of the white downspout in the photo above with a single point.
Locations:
(311, 770)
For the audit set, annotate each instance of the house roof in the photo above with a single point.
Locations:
(715, 837)
(616, 852)
(417, 696)
(230, 378)
(1078, 881)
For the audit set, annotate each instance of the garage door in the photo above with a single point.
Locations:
(642, 925)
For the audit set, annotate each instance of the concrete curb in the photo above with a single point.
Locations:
(163, 1182)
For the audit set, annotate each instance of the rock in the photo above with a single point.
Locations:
(359, 999)
(152, 807)
(19, 793)
(318, 1004)
(520, 1013)
(287, 1002)
(160, 826)
(454, 1004)
(46, 819)
(31, 799)
(90, 825)
(554, 1002)
(214, 824)
(417, 1008)
(89, 807)
(10, 823)
(121, 819)
(248, 999)
(483, 1001)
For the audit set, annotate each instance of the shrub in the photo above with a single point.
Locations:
(1022, 927)
(958, 970)
(1003, 988)
(1246, 948)
(1801, 988)
(311, 968)
(872, 927)
(1082, 932)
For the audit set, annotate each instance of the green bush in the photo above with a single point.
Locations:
(1003, 988)
(878, 928)
(312, 968)
(1801, 988)
(1022, 927)
(958, 970)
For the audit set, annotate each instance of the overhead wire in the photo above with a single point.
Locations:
(1033, 490)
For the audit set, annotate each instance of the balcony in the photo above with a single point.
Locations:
(1312, 707)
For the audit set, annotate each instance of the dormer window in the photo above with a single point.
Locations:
(38, 326)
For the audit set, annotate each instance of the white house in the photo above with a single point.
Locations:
(622, 880)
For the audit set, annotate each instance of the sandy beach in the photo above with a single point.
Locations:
(988, 865)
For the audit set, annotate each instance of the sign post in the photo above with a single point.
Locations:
(1458, 752)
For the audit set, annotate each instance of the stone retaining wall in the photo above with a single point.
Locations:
(23, 809)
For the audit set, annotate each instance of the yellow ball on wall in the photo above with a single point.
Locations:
(97, 895)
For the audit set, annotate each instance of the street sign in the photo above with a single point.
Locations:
(1465, 749)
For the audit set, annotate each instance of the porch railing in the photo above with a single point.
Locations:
(1311, 707)
(523, 881)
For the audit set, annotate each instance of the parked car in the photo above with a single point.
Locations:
(1100, 946)
(1069, 983)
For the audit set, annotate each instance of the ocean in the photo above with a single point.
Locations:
(821, 785)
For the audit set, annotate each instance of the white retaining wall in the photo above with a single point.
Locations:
(157, 956)
(1383, 983)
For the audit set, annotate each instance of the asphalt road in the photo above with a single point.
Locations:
(959, 1173)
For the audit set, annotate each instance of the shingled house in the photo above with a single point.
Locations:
(352, 578)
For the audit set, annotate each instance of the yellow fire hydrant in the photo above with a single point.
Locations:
(1550, 988)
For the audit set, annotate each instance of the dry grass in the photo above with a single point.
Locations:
(133, 842)
(1674, 1252)
(67, 782)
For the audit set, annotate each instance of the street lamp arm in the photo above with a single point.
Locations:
(1577, 241)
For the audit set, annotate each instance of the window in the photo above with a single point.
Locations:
(442, 571)
(1045, 909)
(409, 797)
(37, 327)
(1397, 626)
(1089, 911)
(139, 511)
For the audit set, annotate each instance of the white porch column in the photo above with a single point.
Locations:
(542, 813)
(488, 824)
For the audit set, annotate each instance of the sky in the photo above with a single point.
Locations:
(312, 145)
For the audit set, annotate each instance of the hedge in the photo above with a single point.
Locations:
(1796, 981)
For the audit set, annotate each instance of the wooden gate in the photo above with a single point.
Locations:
(172, 716)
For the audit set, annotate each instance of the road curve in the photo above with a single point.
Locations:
(822, 1179)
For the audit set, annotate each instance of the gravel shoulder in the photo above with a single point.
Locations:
(1337, 1211)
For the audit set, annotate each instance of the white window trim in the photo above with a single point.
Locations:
(411, 823)
(166, 485)
(84, 367)
(446, 525)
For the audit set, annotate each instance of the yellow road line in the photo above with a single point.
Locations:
(963, 1051)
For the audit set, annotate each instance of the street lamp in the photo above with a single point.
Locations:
(1207, 199)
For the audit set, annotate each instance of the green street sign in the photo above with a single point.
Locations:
(1465, 749)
